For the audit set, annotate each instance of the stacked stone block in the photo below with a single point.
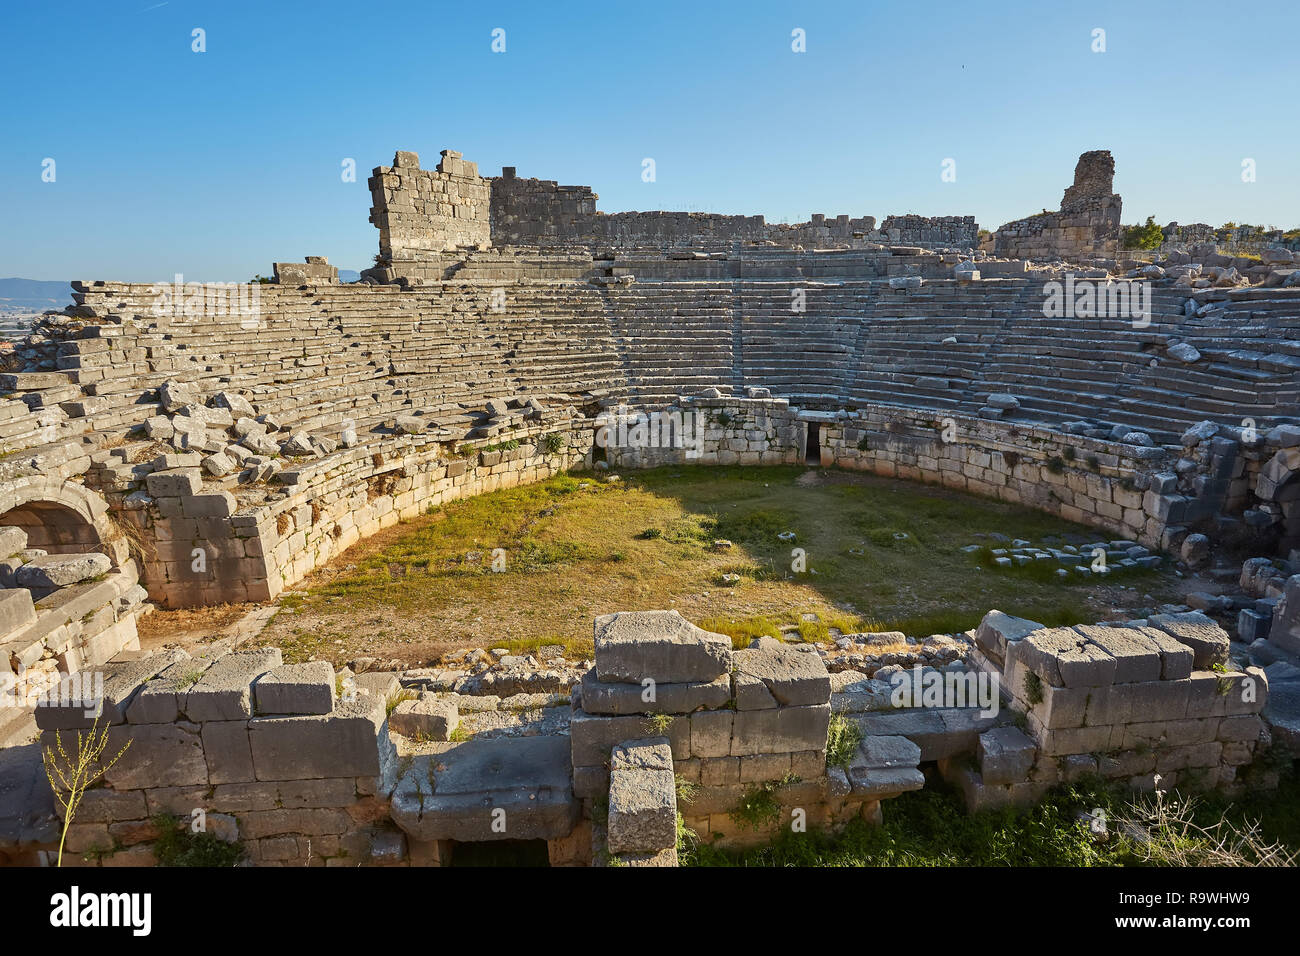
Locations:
(734, 722)
(423, 213)
(1152, 703)
(61, 612)
(239, 744)
(1087, 225)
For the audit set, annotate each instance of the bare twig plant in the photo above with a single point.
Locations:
(1163, 830)
(70, 775)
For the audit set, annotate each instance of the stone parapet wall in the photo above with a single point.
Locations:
(235, 745)
(207, 547)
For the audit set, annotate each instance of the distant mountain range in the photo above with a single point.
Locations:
(33, 295)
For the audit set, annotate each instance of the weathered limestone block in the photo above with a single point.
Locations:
(998, 629)
(224, 692)
(61, 570)
(489, 789)
(68, 707)
(794, 678)
(599, 697)
(296, 689)
(1176, 658)
(346, 743)
(782, 730)
(426, 719)
(161, 700)
(1006, 755)
(176, 483)
(1208, 642)
(1136, 658)
(661, 645)
(12, 540)
(593, 736)
(642, 797)
(711, 733)
(16, 610)
(1063, 657)
(885, 766)
(158, 755)
(226, 749)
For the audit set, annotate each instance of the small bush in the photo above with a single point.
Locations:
(842, 739)
(177, 845)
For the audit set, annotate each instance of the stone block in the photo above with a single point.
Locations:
(1064, 657)
(997, 630)
(642, 797)
(783, 730)
(1207, 641)
(61, 570)
(1176, 658)
(425, 719)
(886, 752)
(593, 736)
(175, 483)
(226, 749)
(662, 645)
(1136, 658)
(344, 743)
(599, 697)
(711, 733)
(794, 678)
(16, 609)
(751, 693)
(224, 692)
(296, 689)
(489, 789)
(1006, 755)
(156, 755)
(759, 768)
(12, 540)
(79, 699)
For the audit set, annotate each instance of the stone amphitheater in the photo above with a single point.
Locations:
(180, 445)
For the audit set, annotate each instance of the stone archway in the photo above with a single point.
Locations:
(62, 517)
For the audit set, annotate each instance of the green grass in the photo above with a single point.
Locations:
(177, 845)
(880, 555)
(930, 827)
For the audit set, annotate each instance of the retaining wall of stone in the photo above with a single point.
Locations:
(235, 745)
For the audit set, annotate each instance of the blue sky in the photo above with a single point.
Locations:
(215, 164)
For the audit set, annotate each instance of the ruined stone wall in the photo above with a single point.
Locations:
(1148, 703)
(539, 212)
(423, 213)
(204, 548)
(1087, 225)
(960, 232)
(238, 746)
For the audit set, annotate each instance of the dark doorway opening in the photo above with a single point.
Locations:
(813, 453)
(500, 853)
(598, 450)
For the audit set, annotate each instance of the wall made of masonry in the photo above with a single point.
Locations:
(203, 548)
(235, 745)
(1152, 703)
(1095, 483)
(422, 213)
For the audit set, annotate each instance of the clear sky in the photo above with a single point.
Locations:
(215, 164)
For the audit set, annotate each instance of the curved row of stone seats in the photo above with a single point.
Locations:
(796, 337)
(671, 338)
(933, 344)
(317, 357)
